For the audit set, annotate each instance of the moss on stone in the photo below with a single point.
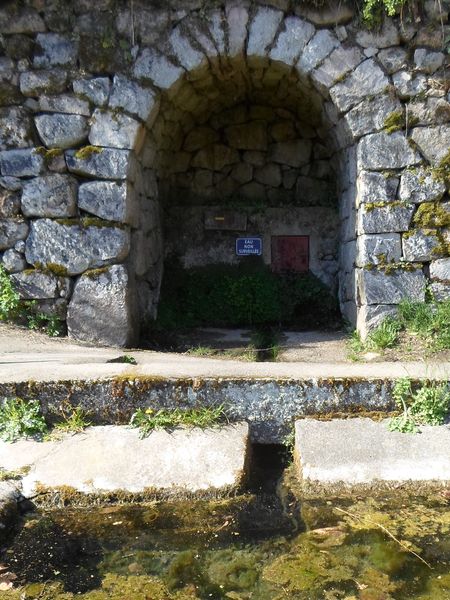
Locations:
(442, 171)
(94, 273)
(89, 222)
(87, 151)
(52, 268)
(370, 206)
(432, 215)
(394, 121)
(397, 121)
(48, 155)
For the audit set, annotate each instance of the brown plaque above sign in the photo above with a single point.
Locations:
(225, 220)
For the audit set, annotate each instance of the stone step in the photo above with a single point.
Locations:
(111, 459)
(348, 455)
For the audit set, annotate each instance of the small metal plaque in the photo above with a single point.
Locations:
(249, 246)
(225, 220)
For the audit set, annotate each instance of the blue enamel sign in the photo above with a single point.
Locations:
(249, 246)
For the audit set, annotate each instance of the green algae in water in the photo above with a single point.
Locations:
(216, 550)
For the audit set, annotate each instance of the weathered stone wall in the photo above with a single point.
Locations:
(188, 239)
(100, 106)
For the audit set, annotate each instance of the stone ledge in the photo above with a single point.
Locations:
(114, 460)
(345, 456)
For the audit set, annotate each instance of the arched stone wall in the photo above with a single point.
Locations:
(82, 141)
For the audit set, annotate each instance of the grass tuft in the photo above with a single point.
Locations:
(147, 420)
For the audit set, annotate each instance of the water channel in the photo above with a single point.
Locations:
(264, 544)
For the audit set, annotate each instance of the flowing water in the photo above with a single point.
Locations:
(262, 545)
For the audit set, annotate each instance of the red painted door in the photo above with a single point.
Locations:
(290, 253)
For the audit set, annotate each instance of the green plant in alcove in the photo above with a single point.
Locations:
(248, 294)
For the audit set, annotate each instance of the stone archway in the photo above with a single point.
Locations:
(97, 245)
(202, 63)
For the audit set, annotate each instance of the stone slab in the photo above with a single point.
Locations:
(111, 458)
(9, 497)
(343, 454)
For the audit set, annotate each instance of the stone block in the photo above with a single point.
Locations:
(198, 30)
(65, 103)
(34, 284)
(370, 316)
(378, 287)
(249, 136)
(318, 48)
(433, 142)
(115, 130)
(386, 151)
(25, 20)
(295, 153)
(105, 199)
(367, 79)
(431, 111)
(374, 187)
(340, 62)
(419, 185)
(370, 115)
(393, 59)
(75, 248)
(61, 130)
(50, 196)
(11, 231)
(360, 455)
(200, 137)
(387, 36)
(215, 22)
(100, 163)
(215, 157)
(15, 128)
(347, 256)
(13, 261)
(242, 173)
(11, 184)
(420, 246)
(54, 50)
(262, 30)
(157, 68)
(237, 18)
(269, 175)
(427, 61)
(132, 97)
(180, 46)
(36, 83)
(9, 94)
(378, 249)
(283, 131)
(313, 192)
(440, 270)
(409, 85)
(96, 90)
(349, 311)
(185, 461)
(21, 163)
(101, 308)
(384, 219)
(291, 41)
(330, 15)
(440, 291)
